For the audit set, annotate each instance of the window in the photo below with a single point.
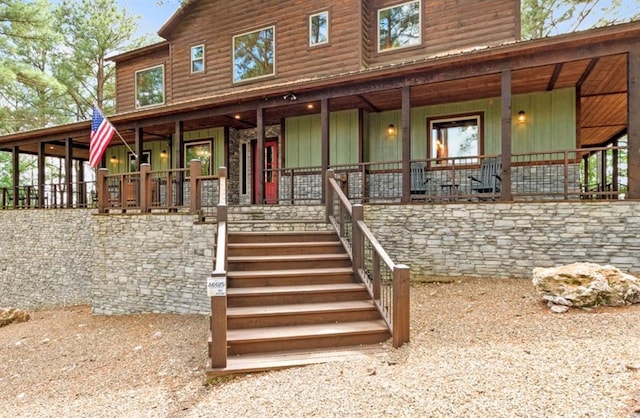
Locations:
(197, 59)
(319, 29)
(399, 26)
(150, 86)
(145, 158)
(254, 54)
(455, 139)
(199, 151)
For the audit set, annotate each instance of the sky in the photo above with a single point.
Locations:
(152, 15)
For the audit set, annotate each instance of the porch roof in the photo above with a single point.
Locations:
(593, 61)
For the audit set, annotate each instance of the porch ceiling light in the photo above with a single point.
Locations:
(522, 117)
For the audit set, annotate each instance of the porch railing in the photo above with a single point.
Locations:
(386, 281)
(49, 196)
(217, 283)
(168, 190)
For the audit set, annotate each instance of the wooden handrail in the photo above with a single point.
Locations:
(395, 312)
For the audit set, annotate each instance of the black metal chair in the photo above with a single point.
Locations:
(489, 180)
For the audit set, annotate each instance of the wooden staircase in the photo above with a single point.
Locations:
(292, 300)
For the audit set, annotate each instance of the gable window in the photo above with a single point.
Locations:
(197, 59)
(455, 139)
(399, 26)
(150, 86)
(254, 54)
(319, 29)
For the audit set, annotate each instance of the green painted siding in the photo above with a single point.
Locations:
(303, 145)
(160, 162)
(550, 125)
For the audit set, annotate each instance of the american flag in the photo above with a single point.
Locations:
(101, 133)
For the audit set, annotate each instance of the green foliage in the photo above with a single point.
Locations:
(542, 18)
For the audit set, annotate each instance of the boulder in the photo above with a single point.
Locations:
(586, 285)
(10, 315)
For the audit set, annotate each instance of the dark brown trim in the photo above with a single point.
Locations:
(68, 170)
(554, 77)
(587, 72)
(406, 144)
(324, 127)
(259, 174)
(505, 191)
(479, 114)
(633, 128)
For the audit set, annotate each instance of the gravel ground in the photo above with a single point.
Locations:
(480, 348)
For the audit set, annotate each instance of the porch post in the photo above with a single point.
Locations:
(406, 144)
(324, 127)
(68, 170)
(260, 156)
(505, 191)
(16, 174)
(633, 123)
(41, 177)
(179, 143)
(139, 147)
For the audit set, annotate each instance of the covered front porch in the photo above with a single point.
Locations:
(550, 119)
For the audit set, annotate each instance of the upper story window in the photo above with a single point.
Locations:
(197, 59)
(319, 29)
(150, 86)
(399, 26)
(455, 139)
(254, 54)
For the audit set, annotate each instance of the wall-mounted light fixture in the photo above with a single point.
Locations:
(163, 154)
(522, 117)
(113, 159)
(392, 130)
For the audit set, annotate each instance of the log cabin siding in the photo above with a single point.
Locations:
(450, 25)
(214, 24)
(125, 77)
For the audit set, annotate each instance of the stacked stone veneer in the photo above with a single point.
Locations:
(151, 263)
(507, 239)
(159, 262)
(46, 258)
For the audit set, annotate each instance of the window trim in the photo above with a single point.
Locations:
(431, 121)
(196, 142)
(310, 23)
(233, 55)
(135, 90)
(192, 60)
(419, 41)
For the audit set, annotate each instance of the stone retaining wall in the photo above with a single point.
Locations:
(45, 258)
(159, 262)
(507, 239)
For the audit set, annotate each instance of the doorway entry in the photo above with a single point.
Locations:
(270, 176)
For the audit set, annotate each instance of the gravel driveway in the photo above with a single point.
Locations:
(479, 348)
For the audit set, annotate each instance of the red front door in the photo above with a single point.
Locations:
(270, 175)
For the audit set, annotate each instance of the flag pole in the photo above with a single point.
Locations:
(116, 131)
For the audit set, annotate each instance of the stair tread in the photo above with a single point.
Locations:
(260, 233)
(291, 272)
(295, 257)
(283, 244)
(265, 290)
(246, 363)
(305, 331)
(299, 308)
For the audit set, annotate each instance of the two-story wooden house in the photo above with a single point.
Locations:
(406, 97)
(403, 101)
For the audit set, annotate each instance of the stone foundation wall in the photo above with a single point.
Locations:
(46, 258)
(507, 239)
(159, 262)
(151, 263)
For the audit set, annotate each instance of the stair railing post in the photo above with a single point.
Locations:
(195, 194)
(218, 321)
(102, 187)
(357, 242)
(329, 197)
(401, 308)
(145, 187)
